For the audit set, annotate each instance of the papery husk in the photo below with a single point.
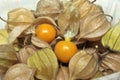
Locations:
(93, 26)
(65, 3)
(84, 64)
(110, 63)
(63, 73)
(39, 43)
(17, 32)
(49, 8)
(3, 36)
(25, 53)
(98, 74)
(7, 57)
(111, 39)
(86, 7)
(68, 22)
(19, 16)
(45, 62)
(44, 19)
(19, 72)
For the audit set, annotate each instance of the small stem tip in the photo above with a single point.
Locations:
(3, 19)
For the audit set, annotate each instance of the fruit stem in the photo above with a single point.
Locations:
(93, 1)
(105, 53)
(3, 19)
(67, 39)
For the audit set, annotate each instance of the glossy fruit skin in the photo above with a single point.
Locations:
(64, 50)
(46, 32)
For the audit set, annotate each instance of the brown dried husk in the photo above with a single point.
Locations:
(63, 73)
(42, 20)
(19, 72)
(86, 7)
(45, 62)
(17, 32)
(49, 8)
(110, 63)
(7, 57)
(93, 26)
(65, 2)
(3, 36)
(98, 74)
(18, 17)
(84, 64)
(18, 23)
(39, 43)
(25, 52)
(68, 22)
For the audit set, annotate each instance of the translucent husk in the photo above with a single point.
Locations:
(84, 64)
(110, 63)
(111, 39)
(93, 26)
(49, 8)
(68, 22)
(63, 73)
(18, 17)
(3, 36)
(45, 62)
(43, 19)
(17, 32)
(98, 74)
(19, 72)
(7, 57)
(86, 7)
(19, 21)
(25, 53)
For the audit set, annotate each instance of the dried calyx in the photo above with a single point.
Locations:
(86, 7)
(19, 20)
(68, 22)
(82, 20)
(93, 26)
(111, 39)
(49, 8)
(84, 64)
(3, 36)
(19, 16)
(25, 53)
(63, 73)
(45, 62)
(19, 72)
(7, 57)
(110, 63)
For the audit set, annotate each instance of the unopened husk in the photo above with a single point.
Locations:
(83, 65)
(19, 72)
(111, 39)
(110, 63)
(45, 62)
(7, 57)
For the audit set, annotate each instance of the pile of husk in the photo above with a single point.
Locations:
(25, 57)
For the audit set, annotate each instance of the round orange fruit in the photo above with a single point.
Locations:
(64, 50)
(46, 32)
